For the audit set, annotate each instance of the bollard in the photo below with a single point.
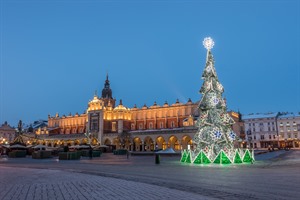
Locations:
(157, 158)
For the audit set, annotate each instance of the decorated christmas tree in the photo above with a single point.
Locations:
(215, 138)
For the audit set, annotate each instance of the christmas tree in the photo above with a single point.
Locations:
(215, 137)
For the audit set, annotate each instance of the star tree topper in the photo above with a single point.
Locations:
(208, 43)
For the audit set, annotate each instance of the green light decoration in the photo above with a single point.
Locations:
(237, 158)
(247, 157)
(183, 156)
(188, 158)
(222, 158)
(214, 139)
(201, 158)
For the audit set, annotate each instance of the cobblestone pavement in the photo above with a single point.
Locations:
(42, 184)
(274, 175)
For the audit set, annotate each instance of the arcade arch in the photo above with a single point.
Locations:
(173, 143)
(185, 141)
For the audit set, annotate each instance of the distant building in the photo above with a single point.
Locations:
(7, 133)
(289, 130)
(261, 130)
(136, 129)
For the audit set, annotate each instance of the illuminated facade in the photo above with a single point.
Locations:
(136, 129)
(7, 133)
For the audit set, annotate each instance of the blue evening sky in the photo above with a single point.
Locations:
(55, 54)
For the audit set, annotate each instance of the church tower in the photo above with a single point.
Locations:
(96, 109)
(107, 94)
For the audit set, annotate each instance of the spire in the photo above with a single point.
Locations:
(107, 92)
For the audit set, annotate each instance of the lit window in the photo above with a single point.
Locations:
(140, 126)
(113, 126)
(172, 124)
(150, 125)
(132, 126)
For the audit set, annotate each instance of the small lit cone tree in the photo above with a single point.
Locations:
(215, 137)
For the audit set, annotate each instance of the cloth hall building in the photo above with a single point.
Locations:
(137, 129)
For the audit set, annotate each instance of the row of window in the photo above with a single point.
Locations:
(262, 137)
(288, 129)
(150, 125)
(288, 124)
(261, 124)
(260, 129)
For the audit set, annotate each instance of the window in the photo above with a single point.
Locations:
(140, 125)
(253, 129)
(249, 124)
(296, 135)
(269, 128)
(172, 124)
(113, 126)
(132, 126)
(262, 137)
(274, 136)
(150, 125)
(272, 123)
(254, 137)
(94, 125)
(270, 137)
(161, 125)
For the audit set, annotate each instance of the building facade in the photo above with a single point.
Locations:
(289, 130)
(7, 133)
(136, 129)
(272, 130)
(261, 130)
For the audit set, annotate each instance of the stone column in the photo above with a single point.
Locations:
(120, 126)
(100, 133)
(143, 145)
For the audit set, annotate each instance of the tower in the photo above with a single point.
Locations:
(95, 111)
(107, 94)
